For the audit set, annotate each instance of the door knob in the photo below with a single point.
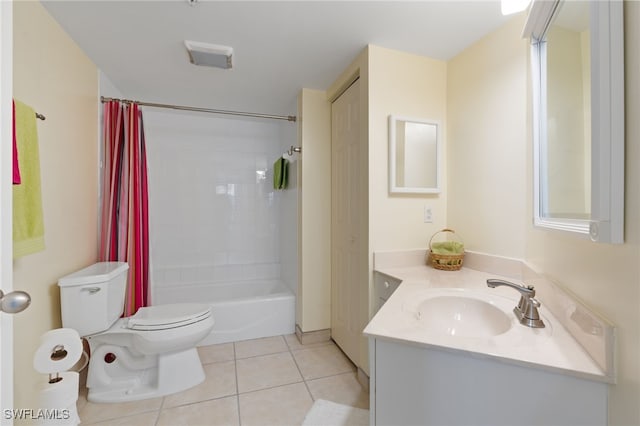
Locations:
(14, 302)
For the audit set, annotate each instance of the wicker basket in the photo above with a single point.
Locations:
(445, 262)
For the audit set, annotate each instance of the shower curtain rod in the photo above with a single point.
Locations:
(212, 111)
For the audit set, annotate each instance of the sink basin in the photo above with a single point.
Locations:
(462, 316)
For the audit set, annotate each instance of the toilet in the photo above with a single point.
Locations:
(150, 354)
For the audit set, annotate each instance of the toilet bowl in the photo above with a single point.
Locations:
(158, 329)
(147, 355)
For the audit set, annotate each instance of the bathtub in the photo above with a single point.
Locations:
(241, 310)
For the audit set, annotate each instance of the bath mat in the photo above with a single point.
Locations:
(327, 413)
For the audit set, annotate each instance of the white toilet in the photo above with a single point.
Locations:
(149, 354)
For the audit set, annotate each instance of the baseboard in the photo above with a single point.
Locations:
(316, 336)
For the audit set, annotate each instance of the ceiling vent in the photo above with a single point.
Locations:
(209, 55)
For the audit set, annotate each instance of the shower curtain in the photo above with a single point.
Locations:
(124, 230)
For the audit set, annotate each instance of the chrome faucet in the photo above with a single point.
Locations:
(527, 309)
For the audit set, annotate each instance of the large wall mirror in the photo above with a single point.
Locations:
(577, 61)
(414, 152)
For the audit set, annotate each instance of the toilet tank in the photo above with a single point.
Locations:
(92, 299)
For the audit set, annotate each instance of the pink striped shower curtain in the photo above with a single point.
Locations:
(124, 231)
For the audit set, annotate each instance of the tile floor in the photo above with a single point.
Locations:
(269, 381)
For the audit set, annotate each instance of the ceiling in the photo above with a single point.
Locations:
(279, 47)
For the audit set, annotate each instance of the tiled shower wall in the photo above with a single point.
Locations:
(214, 215)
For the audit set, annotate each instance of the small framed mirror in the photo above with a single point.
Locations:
(414, 156)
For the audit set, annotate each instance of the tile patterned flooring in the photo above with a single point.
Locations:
(269, 381)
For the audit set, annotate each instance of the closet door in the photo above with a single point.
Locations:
(346, 222)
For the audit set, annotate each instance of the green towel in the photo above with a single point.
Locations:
(448, 247)
(280, 172)
(28, 220)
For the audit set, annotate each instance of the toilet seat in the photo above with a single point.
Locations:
(164, 317)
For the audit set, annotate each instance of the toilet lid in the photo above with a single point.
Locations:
(162, 317)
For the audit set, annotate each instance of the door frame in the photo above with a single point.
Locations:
(6, 202)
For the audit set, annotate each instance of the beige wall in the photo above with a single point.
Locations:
(487, 150)
(51, 74)
(394, 82)
(404, 84)
(414, 86)
(313, 307)
(490, 191)
(605, 276)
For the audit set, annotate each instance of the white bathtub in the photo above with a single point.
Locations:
(241, 310)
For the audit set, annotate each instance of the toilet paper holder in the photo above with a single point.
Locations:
(58, 353)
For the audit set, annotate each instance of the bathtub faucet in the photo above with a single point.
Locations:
(527, 309)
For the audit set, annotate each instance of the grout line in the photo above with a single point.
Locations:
(310, 346)
(164, 398)
(158, 416)
(304, 380)
(235, 369)
(270, 387)
(198, 402)
(286, 346)
(289, 349)
(265, 354)
(111, 419)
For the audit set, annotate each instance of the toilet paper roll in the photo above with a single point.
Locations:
(59, 350)
(60, 394)
(57, 401)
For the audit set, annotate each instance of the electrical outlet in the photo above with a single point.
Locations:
(428, 214)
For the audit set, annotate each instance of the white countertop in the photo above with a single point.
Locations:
(551, 348)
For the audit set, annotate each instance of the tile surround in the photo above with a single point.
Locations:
(217, 216)
(268, 381)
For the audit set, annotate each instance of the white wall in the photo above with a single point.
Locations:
(214, 214)
(108, 89)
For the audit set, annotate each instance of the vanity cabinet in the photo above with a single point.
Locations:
(417, 385)
(384, 286)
